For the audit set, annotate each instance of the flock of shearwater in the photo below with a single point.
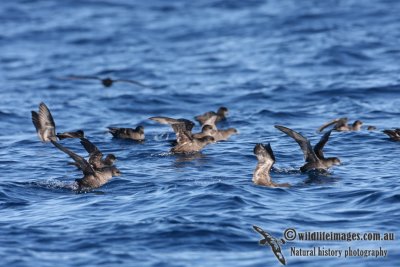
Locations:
(98, 170)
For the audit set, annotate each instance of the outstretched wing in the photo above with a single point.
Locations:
(82, 77)
(95, 155)
(89, 146)
(338, 123)
(182, 134)
(132, 82)
(318, 148)
(81, 162)
(305, 145)
(273, 242)
(44, 123)
(262, 232)
(188, 124)
(211, 121)
(265, 155)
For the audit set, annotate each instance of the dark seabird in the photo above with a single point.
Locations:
(92, 178)
(393, 134)
(266, 159)
(341, 125)
(314, 158)
(46, 128)
(136, 134)
(96, 157)
(272, 242)
(371, 128)
(221, 115)
(186, 142)
(106, 82)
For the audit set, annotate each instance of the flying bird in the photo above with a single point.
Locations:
(272, 242)
(106, 82)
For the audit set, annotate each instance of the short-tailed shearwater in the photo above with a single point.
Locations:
(341, 125)
(92, 178)
(221, 115)
(136, 134)
(393, 134)
(106, 82)
(314, 158)
(46, 128)
(186, 142)
(266, 159)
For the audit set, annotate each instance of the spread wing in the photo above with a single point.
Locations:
(338, 122)
(342, 122)
(80, 161)
(89, 146)
(320, 146)
(211, 121)
(132, 82)
(202, 118)
(182, 134)
(265, 155)
(305, 145)
(278, 252)
(276, 249)
(262, 232)
(44, 123)
(95, 155)
(82, 77)
(165, 120)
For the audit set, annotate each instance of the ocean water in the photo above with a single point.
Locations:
(293, 63)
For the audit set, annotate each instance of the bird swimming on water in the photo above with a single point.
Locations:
(136, 134)
(92, 178)
(394, 135)
(46, 128)
(266, 159)
(314, 157)
(186, 142)
(106, 82)
(221, 115)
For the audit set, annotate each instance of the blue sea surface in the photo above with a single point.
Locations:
(293, 63)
